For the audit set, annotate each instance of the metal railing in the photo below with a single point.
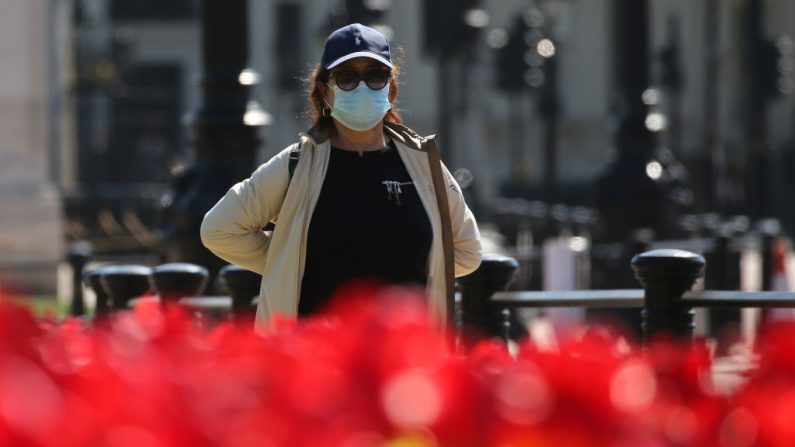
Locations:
(485, 307)
(667, 304)
(633, 298)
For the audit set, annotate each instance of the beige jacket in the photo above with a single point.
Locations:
(232, 228)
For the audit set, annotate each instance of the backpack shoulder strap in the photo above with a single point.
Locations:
(295, 155)
(440, 188)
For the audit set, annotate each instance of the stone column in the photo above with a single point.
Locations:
(31, 223)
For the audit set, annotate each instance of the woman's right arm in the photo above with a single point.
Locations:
(232, 229)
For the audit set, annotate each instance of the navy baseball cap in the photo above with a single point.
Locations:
(355, 40)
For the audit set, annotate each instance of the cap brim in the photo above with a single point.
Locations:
(369, 54)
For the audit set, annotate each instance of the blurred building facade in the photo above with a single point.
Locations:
(287, 36)
(123, 74)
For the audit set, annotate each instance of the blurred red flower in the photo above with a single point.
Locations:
(372, 370)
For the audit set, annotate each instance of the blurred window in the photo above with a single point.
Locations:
(154, 9)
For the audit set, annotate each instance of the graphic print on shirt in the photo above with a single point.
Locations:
(394, 190)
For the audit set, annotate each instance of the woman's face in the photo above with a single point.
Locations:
(359, 66)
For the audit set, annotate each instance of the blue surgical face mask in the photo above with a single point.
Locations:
(361, 108)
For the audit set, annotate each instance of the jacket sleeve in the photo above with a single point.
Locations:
(232, 229)
(467, 247)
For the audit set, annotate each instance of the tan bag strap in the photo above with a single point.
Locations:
(447, 228)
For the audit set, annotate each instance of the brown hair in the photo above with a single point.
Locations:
(319, 76)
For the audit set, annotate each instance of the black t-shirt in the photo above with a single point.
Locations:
(369, 224)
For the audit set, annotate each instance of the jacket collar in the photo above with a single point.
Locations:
(319, 134)
(405, 135)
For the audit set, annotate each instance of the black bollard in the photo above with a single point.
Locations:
(92, 279)
(125, 282)
(177, 280)
(666, 274)
(496, 272)
(77, 257)
(243, 285)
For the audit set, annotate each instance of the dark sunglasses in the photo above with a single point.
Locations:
(348, 79)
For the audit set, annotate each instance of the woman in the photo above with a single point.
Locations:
(360, 203)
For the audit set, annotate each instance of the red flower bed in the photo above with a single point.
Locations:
(369, 372)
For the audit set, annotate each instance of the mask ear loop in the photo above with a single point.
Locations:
(326, 111)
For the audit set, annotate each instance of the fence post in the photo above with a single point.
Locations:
(177, 280)
(666, 274)
(496, 272)
(724, 274)
(243, 285)
(769, 230)
(77, 257)
(92, 278)
(125, 282)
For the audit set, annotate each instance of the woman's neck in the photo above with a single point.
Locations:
(359, 141)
